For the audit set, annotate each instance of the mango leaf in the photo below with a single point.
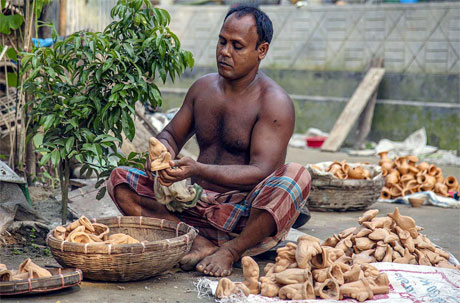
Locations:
(38, 140)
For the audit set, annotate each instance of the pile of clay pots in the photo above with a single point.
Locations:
(342, 170)
(26, 270)
(405, 176)
(83, 231)
(340, 266)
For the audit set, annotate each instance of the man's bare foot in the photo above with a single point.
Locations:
(219, 264)
(201, 248)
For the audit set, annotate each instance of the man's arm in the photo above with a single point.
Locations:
(269, 140)
(180, 129)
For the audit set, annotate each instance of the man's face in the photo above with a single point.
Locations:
(236, 51)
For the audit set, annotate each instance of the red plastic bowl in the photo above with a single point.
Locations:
(315, 142)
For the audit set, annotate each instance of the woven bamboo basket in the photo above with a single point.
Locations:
(332, 194)
(163, 245)
(61, 278)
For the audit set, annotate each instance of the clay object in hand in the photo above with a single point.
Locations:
(159, 156)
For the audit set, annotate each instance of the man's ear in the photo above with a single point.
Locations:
(262, 50)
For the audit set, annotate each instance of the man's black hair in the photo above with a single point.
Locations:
(263, 22)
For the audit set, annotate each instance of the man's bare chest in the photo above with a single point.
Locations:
(224, 124)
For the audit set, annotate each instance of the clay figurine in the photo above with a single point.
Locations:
(293, 276)
(359, 290)
(368, 215)
(307, 247)
(329, 289)
(5, 274)
(331, 241)
(379, 222)
(408, 258)
(33, 269)
(159, 156)
(251, 274)
(299, 291)
(354, 274)
(405, 222)
(379, 234)
(121, 239)
(364, 243)
(226, 288)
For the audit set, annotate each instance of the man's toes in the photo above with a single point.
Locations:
(226, 273)
(201, 266)
(209, 269)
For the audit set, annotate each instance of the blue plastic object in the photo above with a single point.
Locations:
(42, 42)
(409, 1)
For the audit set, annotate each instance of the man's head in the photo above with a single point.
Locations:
(243, 41)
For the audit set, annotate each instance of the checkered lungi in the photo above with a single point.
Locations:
(220, 217)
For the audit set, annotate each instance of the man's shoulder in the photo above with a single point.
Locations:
(206, 79)
(272, 93)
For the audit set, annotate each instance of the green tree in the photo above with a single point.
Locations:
(85, 88)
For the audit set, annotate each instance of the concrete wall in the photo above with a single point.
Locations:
(319, 55)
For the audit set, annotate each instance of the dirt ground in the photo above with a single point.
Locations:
(442, 226)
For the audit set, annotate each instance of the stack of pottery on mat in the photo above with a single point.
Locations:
(341, 186)
(121, 248)
(340, 266)
(405, 176)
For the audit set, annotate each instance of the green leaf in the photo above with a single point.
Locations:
(101, 193)
(15, 21)
(55, 157)
(3, 3)
(4, 24)
(12, 80)
(45, 159)
(99, 183)
(12, 54)
(69, 144)
(38, 140)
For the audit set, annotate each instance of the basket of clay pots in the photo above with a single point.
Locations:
(341, 186)
(121, 248)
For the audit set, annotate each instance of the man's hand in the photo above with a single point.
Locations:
(181, 169)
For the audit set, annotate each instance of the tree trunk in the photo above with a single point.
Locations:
(64, 178)
(30, 162)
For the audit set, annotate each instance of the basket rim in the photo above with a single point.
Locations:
(189, 234)
(58, 274)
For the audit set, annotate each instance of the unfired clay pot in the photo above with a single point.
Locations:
(451, 182)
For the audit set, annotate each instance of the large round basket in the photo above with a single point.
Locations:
(61, 278)
(163, 245)
(329, 193)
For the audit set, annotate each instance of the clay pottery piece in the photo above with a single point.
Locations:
(379, 234)
(433, 170)
(364, 257)
(121, 239)
(441, 189)
(451, 182)
(397, 247)
(78, 229)
(423, 166)
(345, 244)
(21, 276)
(359, 290)
(384, 158)
(380, 285)
(423, 242)
(426, 182)
(284, 260)
(331, 241)
(421, 258)
(416, 202)
(344, 262)
(307, 247)
(299, 291)
(442, 253)
(293, 276)
(409, 187)
(388, 254)
(331, 272)
(82, 221)
(433, 257)
(391, 238)
(370, 271)
(159, 156)
(5, 275)
(387, 167)
(329, 289)
(396, 255)
(379, 222)
(396, 191)
(406, 178)
(269, 288)
(251, 274)
(402, 165)
(346, 232)
(80, 237)
(392, 178)
(446, 264)
(33, 269)
(408, 258)
(354, 274)
(404, 222)
(412, 160)
(335, 166)
(368, 216)
(327, 257)
(406, 240)
(385, 194)
(101, 231)
(363, 232)
(355, 172)
(59, 233)
(364, 243)
(380, 250)
(226, 288)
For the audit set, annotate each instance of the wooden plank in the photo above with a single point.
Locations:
(353, 109)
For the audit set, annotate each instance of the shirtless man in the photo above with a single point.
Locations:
(242, 121)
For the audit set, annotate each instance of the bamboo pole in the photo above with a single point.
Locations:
(62, 17)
